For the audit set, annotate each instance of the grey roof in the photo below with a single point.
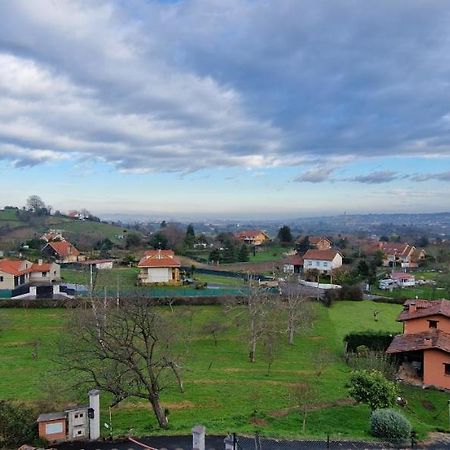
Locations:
(51, 416)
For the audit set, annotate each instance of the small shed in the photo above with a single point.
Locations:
(52, 427)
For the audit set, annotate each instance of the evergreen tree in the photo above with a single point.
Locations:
(243, 254)
(285, 235)
(189, 239)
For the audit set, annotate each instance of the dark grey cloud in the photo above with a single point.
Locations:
(442, 176)
(161, 86)
(378, 177)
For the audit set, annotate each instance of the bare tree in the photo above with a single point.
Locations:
(296, 303)
(35, 203)
(126, 350)
(213, 328)
(303, 394)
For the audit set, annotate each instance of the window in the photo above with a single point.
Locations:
(53, 428)
(79, 431)
(76, 416)
(44, 274)
(447, 369)
(432, 323)
(81, 415)
(1, 279)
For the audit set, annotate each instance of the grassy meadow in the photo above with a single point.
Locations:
(223, 391)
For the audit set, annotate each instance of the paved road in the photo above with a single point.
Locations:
(216, 443)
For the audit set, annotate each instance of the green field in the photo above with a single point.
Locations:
(219, 280)
(223, 390)
(269, 253)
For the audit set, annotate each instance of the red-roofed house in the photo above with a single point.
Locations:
(325, 261)
(398, 254)
(62, 252)
(253, 237)
(319, 242)
(293, 264)
(159, 267)
(15, 273)
(424, 347)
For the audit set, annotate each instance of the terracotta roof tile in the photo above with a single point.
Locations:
(321, 255)
(64, 248)
(420, 341)
(159, 258)
(424, 308)
(295, 260)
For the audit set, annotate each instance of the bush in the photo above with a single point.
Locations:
(390, 425)
(17, 424)
(353, 292)
(373, 340)
(372, 388)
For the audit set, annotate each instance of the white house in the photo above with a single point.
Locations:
(403, 279)
(322, 260)
(159, 266)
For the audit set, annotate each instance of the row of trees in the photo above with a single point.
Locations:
(138, 350)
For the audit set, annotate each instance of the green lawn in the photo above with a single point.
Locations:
(222, 389)
(219, 280)
(269, 253)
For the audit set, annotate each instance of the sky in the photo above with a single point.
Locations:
(237, 108)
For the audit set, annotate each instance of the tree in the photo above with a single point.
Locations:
(159, 241)
(363, 268)
(303, 246)
(35, 203)
(297, 309)
(285, 235)
(17, 424)
(132, 240)
(373, 389)
(215, 256)
(304, 395)
(189, 239)
(243, 255)
(127, 351)
(213, 328)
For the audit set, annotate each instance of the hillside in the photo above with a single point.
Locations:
(16, 227)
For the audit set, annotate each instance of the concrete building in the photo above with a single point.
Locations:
(159, 267)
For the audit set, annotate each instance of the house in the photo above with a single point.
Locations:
(62, 252)
(99, 264)
(325, 261)
(423, 349)
(253, 237)
(319, 242)
(78, 423)
(159, 266)
(52, 235)
(397, 254)
(293, 264)
(403, 279)
(21, 277)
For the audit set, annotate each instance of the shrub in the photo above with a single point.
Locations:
(390, 425)
(372, 388)
(17, 424)
(373, 340)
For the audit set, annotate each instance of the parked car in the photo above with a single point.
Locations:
(387, 284)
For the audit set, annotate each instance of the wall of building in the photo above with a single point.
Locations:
(421, 324)
(8, 281)
(53, 437)
(434, 369)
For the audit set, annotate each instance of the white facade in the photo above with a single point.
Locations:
(322, 265)
(158, 275)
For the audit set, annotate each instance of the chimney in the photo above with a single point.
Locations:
(40, 262)
(412, 307)
(94, 419)
(428, 341)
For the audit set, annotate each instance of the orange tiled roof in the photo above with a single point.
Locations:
(159, 258)
(20, 267)
(64, 248)
(321, 255)
(425, 308)
(396, 248)
(420, 341)
(250, 234)
(295, 260)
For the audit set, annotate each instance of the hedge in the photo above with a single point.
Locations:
(373, 340)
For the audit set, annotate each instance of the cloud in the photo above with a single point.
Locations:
(379, 177)
(182, 86)
(442, 176)
(315, 175)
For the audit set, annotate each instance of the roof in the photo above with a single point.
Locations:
(250, 234)
(159, 258)
(402, 276)
(316, 239)
(396, 248)
(64, 248)
(436, 339)
(20, 266)
(321, 255)
(295, 260)
(51, 416)
(424, 308)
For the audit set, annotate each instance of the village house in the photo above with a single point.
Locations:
(253, 237)
(99, 264)
(293, 264)
(423, 349)
(319, 242)
(403, 279)
(16, 273)
(52, 235)
(62, 252)
(159, 267)
(397, 254)
(325, 261)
